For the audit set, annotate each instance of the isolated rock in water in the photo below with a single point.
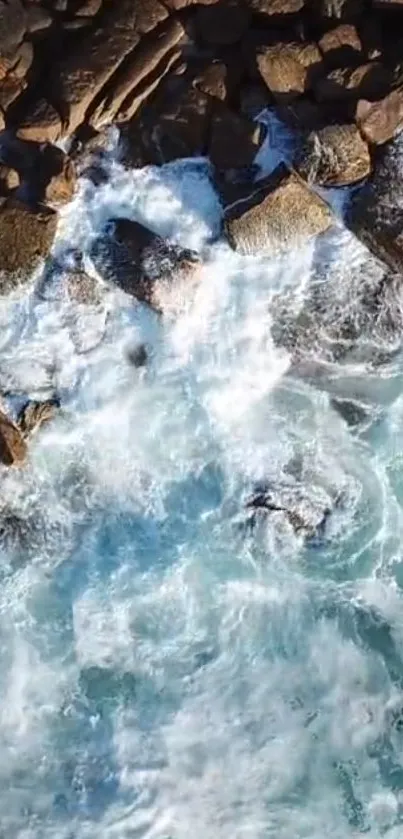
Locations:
(280, 212)
(33, 414)
(138, 355)
(138, 260)
(307, 511)
(380, 121)
(13, 449)
(26, 237)
(335, 156)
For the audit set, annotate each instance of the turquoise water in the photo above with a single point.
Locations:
(167, 670)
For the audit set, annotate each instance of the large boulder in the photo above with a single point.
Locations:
(139, 261)
(346, 84)
(379, 121)
(13, 449)
(26, 237)
(83, 74)
(40, 123)
(279, 213)
(142, 73)
(289, 69)
(335, 156)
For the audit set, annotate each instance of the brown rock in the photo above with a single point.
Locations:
(142, 73)
(380, 121)
(84, 73)
(278, 214)
(13, 24)
(59, 187)
(38, 18)
(41, 123)
(26, 236)
(183, 127)
(13, 449)
(345, 84)
(34, 414)
(234, 140)
(89, 8)
(9, 179)
(222, 23)
(335, 156)
(213, 81)
(276, 8)
(375, 212)
(341, 46)
(289, 69)
(183, 4)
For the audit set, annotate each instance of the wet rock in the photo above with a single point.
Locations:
(341, 46)
(335, 156)
(41, 123)
(57, 176)
(306, 510)
(181, 129)
(26, 237)
(83, 74)
(83, 289)
(138, 355)
(13, 449)
(380, 121)
(222, 23)
(34, 414)
(367, 81)
(234, 140)
(138, 260)
(215, 80)
(289, 69)
(352, 412)
(280, 212)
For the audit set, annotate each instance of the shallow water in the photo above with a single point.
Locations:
(167, 670)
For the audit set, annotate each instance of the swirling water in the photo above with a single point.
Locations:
(167, 670)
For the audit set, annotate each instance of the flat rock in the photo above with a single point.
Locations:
(13, 449)
(380, 121)
(335, 156)
(234, 140)
(138, 260)
(81, 77)
(289, 69)
(281, 212)
(26, 237)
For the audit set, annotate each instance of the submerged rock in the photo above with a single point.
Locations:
(280, 211)
(138, 260)
(306, 509)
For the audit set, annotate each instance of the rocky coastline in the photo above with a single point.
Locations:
(182, 79)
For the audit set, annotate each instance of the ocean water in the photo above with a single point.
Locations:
(169, 667)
